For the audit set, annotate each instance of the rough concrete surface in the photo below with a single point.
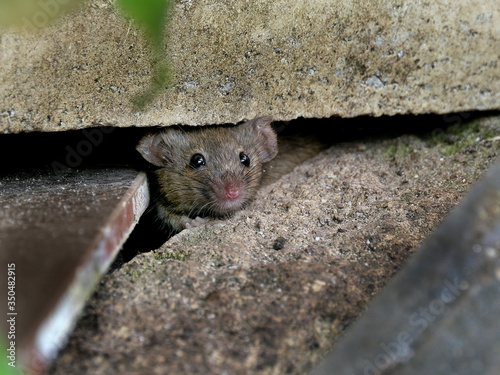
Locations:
(234, 60)
(269, 290)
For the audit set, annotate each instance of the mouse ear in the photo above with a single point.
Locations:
(152, 149)
(265, 137)
(162, 147)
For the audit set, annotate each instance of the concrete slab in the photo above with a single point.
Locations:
(58, 235)
(234, 60)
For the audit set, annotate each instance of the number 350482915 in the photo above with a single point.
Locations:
(11, 286)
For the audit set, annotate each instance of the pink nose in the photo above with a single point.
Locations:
(232, 192)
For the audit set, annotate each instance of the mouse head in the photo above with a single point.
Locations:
(217, 167)
(166, 146)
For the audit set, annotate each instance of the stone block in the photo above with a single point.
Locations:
(231, 61)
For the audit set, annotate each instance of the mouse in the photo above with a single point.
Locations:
(207, 172)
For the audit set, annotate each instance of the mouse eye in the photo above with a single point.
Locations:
(197, 161)
(244, 159)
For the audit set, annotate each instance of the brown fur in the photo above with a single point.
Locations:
(184, 193)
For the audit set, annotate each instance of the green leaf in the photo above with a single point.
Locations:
(149, 15)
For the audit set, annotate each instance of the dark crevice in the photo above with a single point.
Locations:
(149, 234)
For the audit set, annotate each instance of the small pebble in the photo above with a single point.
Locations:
(279, 243)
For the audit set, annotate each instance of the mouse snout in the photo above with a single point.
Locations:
(232, 190)
(228, 192)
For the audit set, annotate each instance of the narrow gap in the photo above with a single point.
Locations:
(115, 147)
(149, 235)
